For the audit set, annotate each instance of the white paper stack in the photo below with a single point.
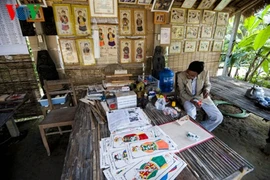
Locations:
(143, 153)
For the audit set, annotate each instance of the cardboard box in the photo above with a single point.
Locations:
(126, 99)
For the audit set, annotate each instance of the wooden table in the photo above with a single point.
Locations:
(212, 159)
(7, 110)
(233, 91)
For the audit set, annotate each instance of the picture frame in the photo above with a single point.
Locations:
(190, 46)
(104, 8)
(165, 35)
(178, 15)
(206, 31)
(108, 44)
(222, 5)
(63, 19)
(178, 32)
(206, 4)
(192, 32)
(140, 49)
(86, 51)
(194, 16)
(42, 3)
(125, 21)
(127, 1)
(144, 2)
(217, 46)
(39, 16)
(160, 17)
(162, 5)
(222, 18)
(204, 46)
(208, 17)
(125, 50)
(175, 47)
(69, 52)
(82, 20)
(139, 22)
(220, 32)
(188, 4)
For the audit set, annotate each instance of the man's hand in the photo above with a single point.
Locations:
(197, 103)
(205, 94)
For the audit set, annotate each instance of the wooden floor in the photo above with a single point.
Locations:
(233, 91)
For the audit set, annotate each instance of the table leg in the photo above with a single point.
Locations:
(12, 128)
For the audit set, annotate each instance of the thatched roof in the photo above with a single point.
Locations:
(248, 7)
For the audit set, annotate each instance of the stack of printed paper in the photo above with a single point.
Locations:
(140, 154)
(126, 119)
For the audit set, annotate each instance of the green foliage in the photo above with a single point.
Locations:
(247, 41)
(265, 66)
(261, 38)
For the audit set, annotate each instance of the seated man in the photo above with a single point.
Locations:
(194, 87)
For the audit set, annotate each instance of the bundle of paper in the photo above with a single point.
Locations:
(126, 119)
(146, 153)
(95, 92)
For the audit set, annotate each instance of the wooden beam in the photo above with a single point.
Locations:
(231, 43)
(247, 7)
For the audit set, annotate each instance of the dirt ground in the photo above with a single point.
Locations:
(26, 158)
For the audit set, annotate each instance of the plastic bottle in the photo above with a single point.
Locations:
(166, 78)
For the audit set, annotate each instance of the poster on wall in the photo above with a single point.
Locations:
(175, 47)
(69, 51)
(42, 3)
(217, 46)
(206, 31)
(139, 47)
(108, 44)
(204, 46)
(178, 32)
(194, 16)
(190, 46)
(188, 3)
(160, 18)
(222, 18)
(208, 17)
(125, 21)
(144, 2)
(206, 4)
(162, 5)
(82, 20)
(39, 16)
(220, 32)
(125, 50)
(63, 19)
(178, 15)
(104, 8)
(139, 22)
(127, 1)
(165, 35)
(86, 51)
(192, 32)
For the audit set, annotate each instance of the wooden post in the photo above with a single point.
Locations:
(231, 43)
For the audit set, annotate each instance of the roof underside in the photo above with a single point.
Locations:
(248, 7)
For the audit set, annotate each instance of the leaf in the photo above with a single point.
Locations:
(265, 11)
(265, 66)
(247, 41)
(249, 22)
(261, 38)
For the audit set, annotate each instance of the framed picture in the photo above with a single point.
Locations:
(162, 5)
(208, 17)
(139, 46)
(175, 47)
(144, 2)
(206, 31)
(222, 18)
(188, 4)
(139, 22)
(206, 4)
(222, 5)
(194, 16)
(86, 51)
(69, 51)
(39, 16)
(165, 35)
(192, 32)
(82, 20)
(63, 19)
(104, 8)
(178, 15)
(108, 44)
(217, 46)
(160, 18)
(190, 46)
(42, 3)
(178, 32)
(125, 50)
(220, 32)
(127, 1)
(204, 46)
(125, 21)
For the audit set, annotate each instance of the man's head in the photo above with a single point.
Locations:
(194, 69)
